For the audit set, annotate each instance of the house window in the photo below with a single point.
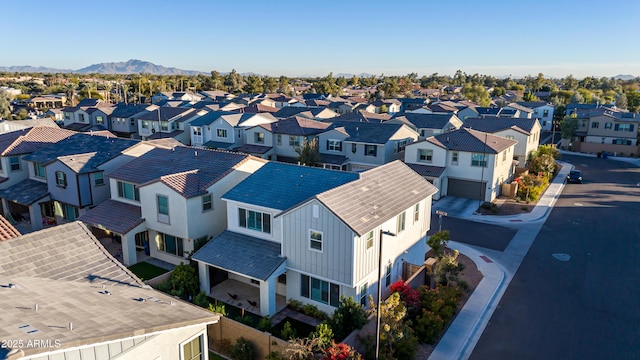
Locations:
(254, 220)
(319, 290)
(416, 213)
(607, 125)
(454, 158)
(144, 124)
(294, 141)
(163, 208)
(354, 147)
(81, 117)
(370, 240)
(39, 171)
(128, 191)
(170, 244)
(259, 137)
(132, 122)
(282, 279)
(279, 139)
(99, 120)
(221, 133)
(315, 240)
(197, 131)
(14, 163)
(69, 212)
(387, 275)
(401, 145)
(400, 226)
(545, 113)
(61, 179)
(164, 125)
(504, 156)
(425, 155)
(422, 132)
(334, 145)
(207, 202)
(363, 294)
(595, 125)
(478, 160)
(370, 150)
(98, 178)
(67, 116)
(623, 127)
(193, 350)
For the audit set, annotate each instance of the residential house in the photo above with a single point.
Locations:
(392, 105)
(342, 107)
(428, 124)
(280, 140)
(258, 108)
(543, 111)
(67, 178)
(464, 163)
(314, 235)
(124, 119)
(64, 293)
(89, 114)
(525, 131)
(359, 146)
(521, 111)
(176, 96)
(168, 122)
(362, 116)
(316, 113)
(408, 104)
(13, 125)
(170, 199)
(47, 102)
(225, 130)
(609, 131)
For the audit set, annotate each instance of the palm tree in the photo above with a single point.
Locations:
(124, 88)
(88, 86)
(70, 90)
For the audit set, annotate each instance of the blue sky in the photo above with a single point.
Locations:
(293, 38)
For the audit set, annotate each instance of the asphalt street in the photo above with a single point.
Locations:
(488, 236)
(576, 294)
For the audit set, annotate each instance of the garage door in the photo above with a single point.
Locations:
(466, 189)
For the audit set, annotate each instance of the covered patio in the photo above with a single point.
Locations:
(21, 204)
(252, 265)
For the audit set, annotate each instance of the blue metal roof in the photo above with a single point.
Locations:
(281, 186)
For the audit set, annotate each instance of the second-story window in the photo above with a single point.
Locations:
(98, 178)
(39, 171)
(369, 240)
(371, 150)
(416, 213)
(334, 145)
(144, 124)
(61, 179)
(259, 137)
(454, 158)
(128, 191)
(163, 208)
(279, 139)
(315, 240)
(294, 141)
(400, 226)
(354, 148)
(164, 126)
(595, 125)
(99, 120)
(207, 202)
(254, 220)
(479, 160)
(221, 133)
(14, 163)
(425, 155)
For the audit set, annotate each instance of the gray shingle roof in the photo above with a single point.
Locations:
(281, 186)
(126, 110)
(243, 254)
(493, 125)
(187, 171)
(65, 252)
(470, 140)
(253, 149)
(427, 170)
(26, 192)
(367, 132)
(166, 113)
(332, 159)
(114, 216)
(427, 121)
(104, 148)
(296, 125)
(380, 194)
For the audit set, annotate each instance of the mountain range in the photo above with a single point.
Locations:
(132, 66)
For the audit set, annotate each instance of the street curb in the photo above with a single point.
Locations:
(447, 349)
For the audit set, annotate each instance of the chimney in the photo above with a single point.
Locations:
(195, 154)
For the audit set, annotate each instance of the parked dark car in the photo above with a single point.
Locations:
(575, 176)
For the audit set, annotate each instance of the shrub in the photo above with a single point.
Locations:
(408, 295)
(313, 311)
(201, 300)
(438, 241)
(243, 350)
(340, 351)
(462, 285)
(428, 326)
(323, 336)
(348, 316)
(218, 309)
(184, 280)
(274, 355)
(264, 324)
(226, 346)
(295, 305)
(288, 332)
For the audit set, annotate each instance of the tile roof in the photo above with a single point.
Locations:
(493, 125)
(243, 254)
(427, 121)
(379, 195)
(85, 152)
(289, 111)
(127, 110)
(427, 170)
(366, 132)
(7, 231)
(218, 145)
(74, 280)
(209, 118)
(166, 113)
(520, 107)
(253, 149)
(332, 159)
(470, 140)
(65, 252)
(187, 171)
(160, 135)
(362, 116)
(296, 125)
(281, 186)
(26, 192)
(114, 216)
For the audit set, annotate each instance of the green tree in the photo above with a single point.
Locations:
(308, 152)
(633, 100)
(184, 281)
(438, 242)
(383, 109)
(270, 84)
(254, 85)
(348, 316)
(476, 93)
(5, 102)
(397, 340)
(233, 81)
(568, 127)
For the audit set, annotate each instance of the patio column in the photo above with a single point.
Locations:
(129, 256)
(35, 216)
(268, 296)
(203, 272)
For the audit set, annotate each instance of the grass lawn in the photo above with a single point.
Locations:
(146, 271)
(214, 356)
